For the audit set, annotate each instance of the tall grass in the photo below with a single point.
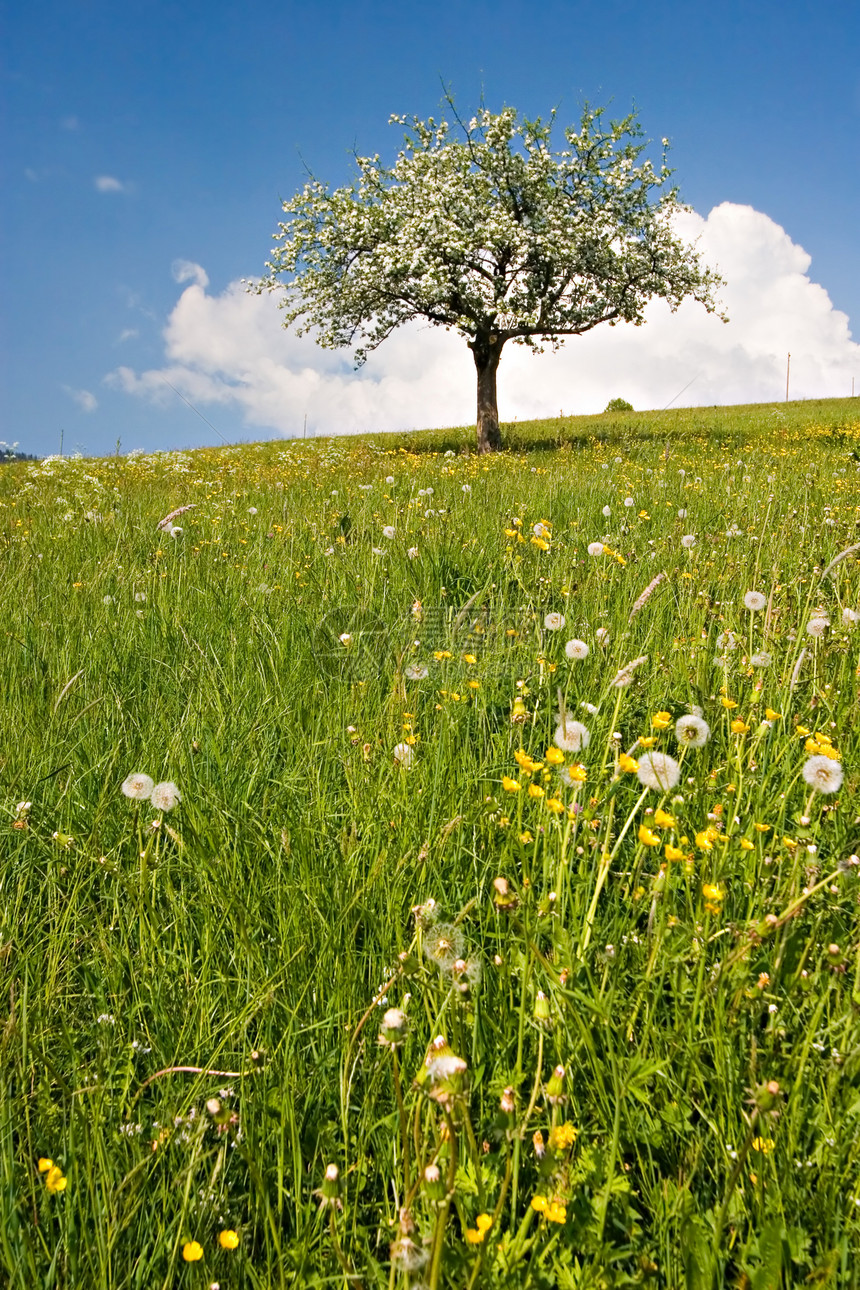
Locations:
(605, 1067)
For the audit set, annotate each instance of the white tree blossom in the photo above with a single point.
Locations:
(486, 229)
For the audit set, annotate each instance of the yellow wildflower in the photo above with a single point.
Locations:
(762, 828)
(54, 1179)
(563, 1136)
(469, 658)
(539, 543)
(192, 1251)
(578, 774)
(474, 685)
(540, 1203)
(474, 1236)
(763, 1145)
(771, 715)
(439, 654)
(556, 1213)
(228, 1239)
(673, 853)
(554, 756)
(45, 1164)
(727, 703)
(661, 721)
(555, 805)
(663, 819)
(647, 741)
(648, 837)
(802, 731)
(739, 727)
(510, 785)
(746, 845)
(628, 763)
(526, 838)
(535, 790)
(703, 842)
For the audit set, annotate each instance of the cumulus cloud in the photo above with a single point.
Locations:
(188, 271)
(109, 184)
(86, 401)
(230, 349)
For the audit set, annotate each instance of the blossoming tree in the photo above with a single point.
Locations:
(485, 229)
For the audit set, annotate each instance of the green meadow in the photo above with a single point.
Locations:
(425, 869)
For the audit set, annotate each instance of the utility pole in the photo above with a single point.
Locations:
(787, 374)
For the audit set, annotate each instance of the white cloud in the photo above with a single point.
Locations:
(109, 184)
(86, 401)
(127, 333)
(188, 271)
(229, 349)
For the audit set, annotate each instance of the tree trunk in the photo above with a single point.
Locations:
(487, 350)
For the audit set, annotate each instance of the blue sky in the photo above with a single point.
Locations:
(142, 136)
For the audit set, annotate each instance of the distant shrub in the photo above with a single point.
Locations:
(618, 405)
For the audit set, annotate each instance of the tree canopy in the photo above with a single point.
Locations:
(482, 227)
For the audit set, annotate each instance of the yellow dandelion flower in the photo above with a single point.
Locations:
(526, 838)
(712, 892)
(771, 715)
(563, 1136)
(661, 721)
(228, 1239)
(627, 763)
(647, 741)
(727, 703)
(663, 819)
(648, 837)
(554, 756)
(539, 543)
(510, 785)
(535, 790)
(555, 805)
(577, 774)
(673, 853)
(703, 842)
(746, 845)
(474, 685)
(192, 1251)
(469, 658)
(761, 828)
(739, 727)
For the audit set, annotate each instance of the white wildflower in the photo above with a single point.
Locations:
(761, 659)
(850, 617)
(416, 672)
(389, 531)
(754, 601)
(554, 622)
(688, 540)
(595, 548)
(817, 626)
(403, 755)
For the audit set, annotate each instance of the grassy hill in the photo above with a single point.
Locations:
(553, 753)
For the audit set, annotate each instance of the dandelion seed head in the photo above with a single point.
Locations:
(165, 796)
(576, 650)
(138, 786)
(823, 774)
(571, 736)
(754, 601)
(691, 731)
(658, 770)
